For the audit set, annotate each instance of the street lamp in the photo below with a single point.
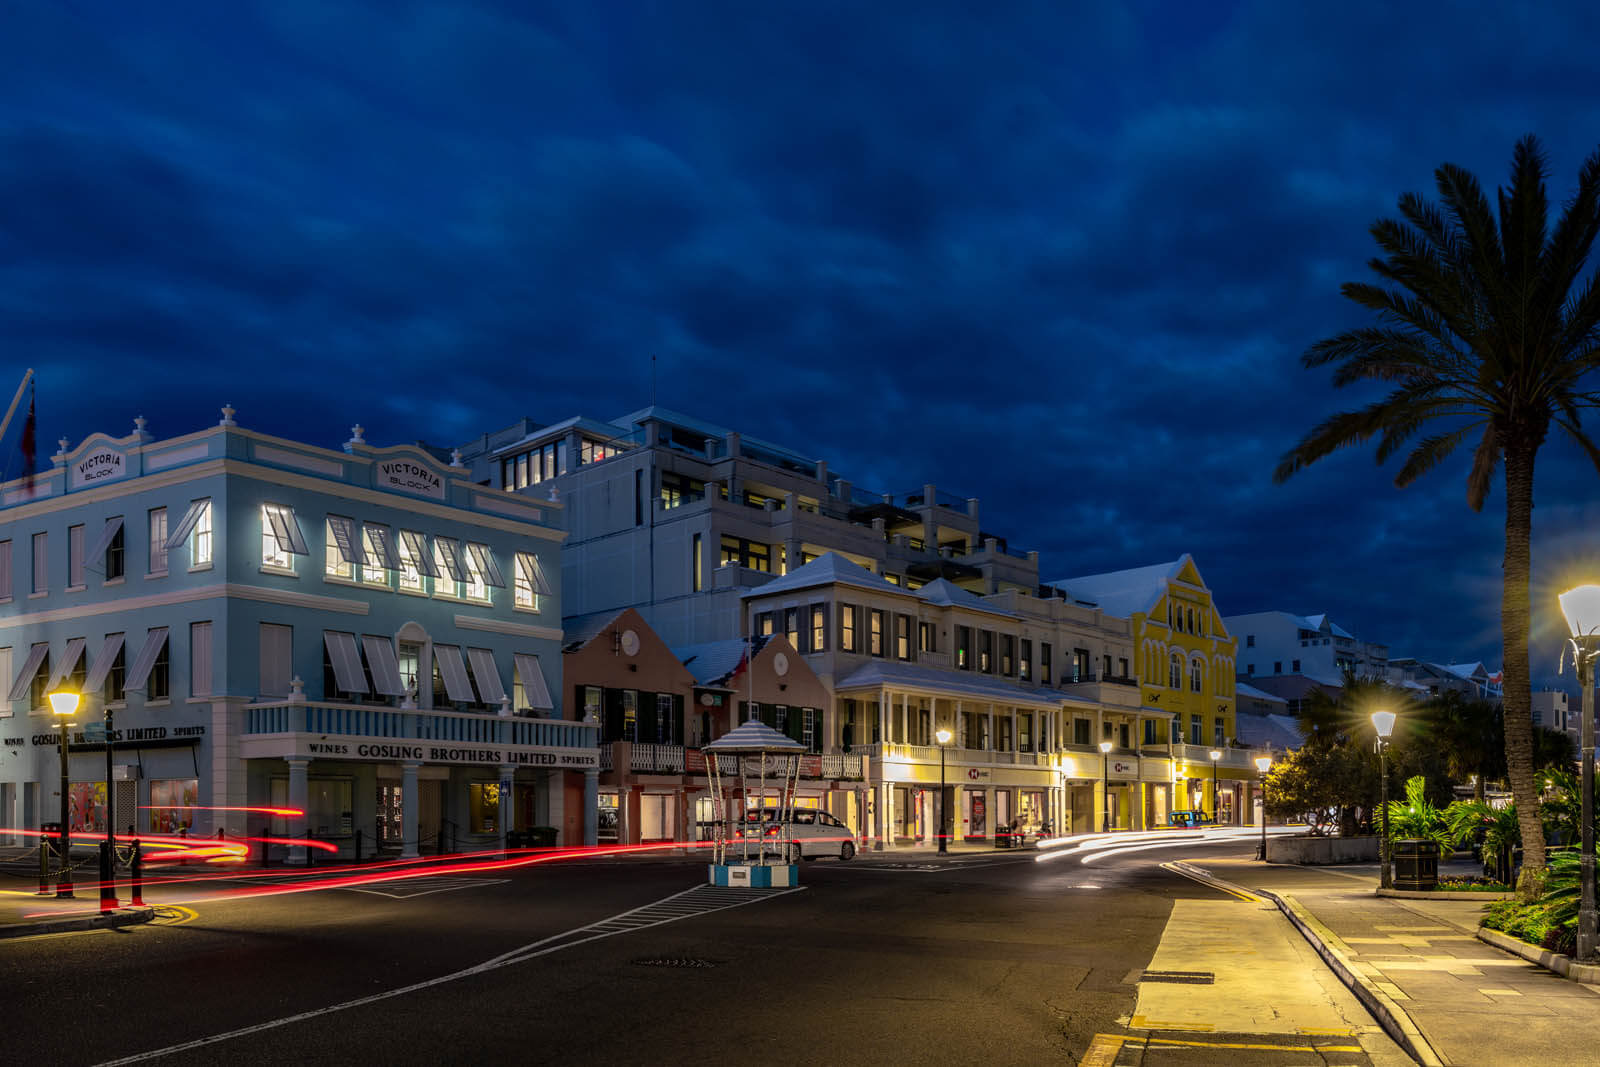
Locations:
(1383, 723)
(1216, 807)
(1105, 787)
(1581, 606)
(1263, 765)
(63, 703)
(943, 737)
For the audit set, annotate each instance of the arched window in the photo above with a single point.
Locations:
(1175, 672)
(1194, 676)
(1191, 620)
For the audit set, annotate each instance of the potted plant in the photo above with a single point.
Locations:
(1418, 833)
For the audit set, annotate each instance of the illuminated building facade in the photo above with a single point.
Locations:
(361, 633)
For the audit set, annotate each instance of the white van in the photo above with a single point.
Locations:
(812, 833)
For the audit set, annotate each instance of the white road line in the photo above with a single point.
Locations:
(542, 947)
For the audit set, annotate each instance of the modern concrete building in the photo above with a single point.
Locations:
(678, 517)
(361, 634)
(1278, 643)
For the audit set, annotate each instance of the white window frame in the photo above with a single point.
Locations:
(77, 541)
(476, 587)
(274, 556)
(40, 544)
(200, 540)
(373, 572)
(410, 578)
(335, 565)
(156, 523)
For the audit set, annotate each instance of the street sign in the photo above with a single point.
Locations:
(94, 733)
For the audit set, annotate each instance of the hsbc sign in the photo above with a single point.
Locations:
(977, 774)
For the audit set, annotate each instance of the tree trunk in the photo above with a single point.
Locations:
(1518, 691)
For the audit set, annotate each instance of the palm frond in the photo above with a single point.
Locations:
(1427, 455)
(1484, 461)
(1574, 431)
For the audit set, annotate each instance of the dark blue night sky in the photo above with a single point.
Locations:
(1063, 257)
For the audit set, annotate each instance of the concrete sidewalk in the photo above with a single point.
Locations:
(1448, 997)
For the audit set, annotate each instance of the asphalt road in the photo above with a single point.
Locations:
(885, 959)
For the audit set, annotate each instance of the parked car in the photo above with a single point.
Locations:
(811, 833)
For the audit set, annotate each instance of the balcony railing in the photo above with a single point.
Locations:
(676, 759)
(351, 720)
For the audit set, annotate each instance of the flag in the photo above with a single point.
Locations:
(28, 449)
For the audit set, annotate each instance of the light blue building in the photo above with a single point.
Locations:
(362, 634)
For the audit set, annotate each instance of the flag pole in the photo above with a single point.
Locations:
(12, 410)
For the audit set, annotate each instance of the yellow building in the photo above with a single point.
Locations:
(1185, 660)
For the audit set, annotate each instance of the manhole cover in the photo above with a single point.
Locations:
(677, 961)
(1180, 977)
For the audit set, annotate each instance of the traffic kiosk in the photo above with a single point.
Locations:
(753, 753)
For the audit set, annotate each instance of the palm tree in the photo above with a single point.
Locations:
(1484, 328)
(1469, 736)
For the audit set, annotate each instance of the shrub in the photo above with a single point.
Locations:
(1415, 817)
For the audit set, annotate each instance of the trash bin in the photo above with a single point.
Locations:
(1416, 864)
(542, 836)
(516, 839)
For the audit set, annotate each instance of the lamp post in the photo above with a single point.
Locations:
(1263, 765)
(1105, 787)
(1383, 723)
(943, 737)
(1581, 606)
(63, 702)
(1216, 806)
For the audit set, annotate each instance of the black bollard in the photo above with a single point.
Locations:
(136, 879)
(44, 865)
(108, 879)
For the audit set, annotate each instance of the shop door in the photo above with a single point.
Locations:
(127, 798)
(656, 822)
(523, 797)
(391, 823)
(430, 812)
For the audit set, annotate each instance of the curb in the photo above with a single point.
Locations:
(1563, 965)
(1442, 894)
(120, 917)
(1393, 1018)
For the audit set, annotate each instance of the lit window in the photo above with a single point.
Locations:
(200, 554)
(158, 540)
(336, 565)
(476, 585)
(273, 554)
(373, 571)
(412, 557)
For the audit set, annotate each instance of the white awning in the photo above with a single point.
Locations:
(533, 573)
(532, 679)
(450, 551)
(455, 673)
(488, 570)
(30, 667)
(383, 547)
(385, 669)
(344, 536)
(285, 529)
(101, 667)
(346, 660)
(180, 533)
(140, 673)
(487, 674)
(65, 664)
(103, 542)
(416, 553)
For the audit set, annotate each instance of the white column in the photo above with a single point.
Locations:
(299, 797)
(554, 804)
(591, 807)
(886, 813)
(409, 802)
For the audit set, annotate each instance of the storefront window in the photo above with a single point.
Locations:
(483, 803)
(86, 807)
(610, 821)
(172, 802)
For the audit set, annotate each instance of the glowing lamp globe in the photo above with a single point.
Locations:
(1263, 764)
(1105, 746)
(63, 702)
(1581, 606)
(943, 736)
(1383, 722)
